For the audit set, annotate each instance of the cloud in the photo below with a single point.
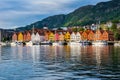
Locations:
(23, 12)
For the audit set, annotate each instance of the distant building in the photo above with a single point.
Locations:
(109, 24)
(45, 27)
(93, 27)
(118, 25)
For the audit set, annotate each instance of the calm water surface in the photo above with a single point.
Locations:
(60, 63)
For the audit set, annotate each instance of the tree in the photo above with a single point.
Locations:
(81, 29)
(117, 36)
(114, 27)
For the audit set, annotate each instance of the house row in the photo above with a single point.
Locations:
(55, 35)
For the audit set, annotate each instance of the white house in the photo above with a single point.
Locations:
(42, 37)
(37, 37)
(73, 37)
(78, 37)
(33, 37)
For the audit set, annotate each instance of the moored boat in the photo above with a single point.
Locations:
(29, 43)
(99, 43)
(3, 44)
(46, 43)
(85, 42)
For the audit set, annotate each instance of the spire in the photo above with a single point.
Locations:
(33, 29)
(0, 36)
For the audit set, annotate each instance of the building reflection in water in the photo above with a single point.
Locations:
(75, 52)
(14, 52)
(20, 52)
(98, 51)
(67, 52)
(35, 52)
(97, 55)
(102, 55)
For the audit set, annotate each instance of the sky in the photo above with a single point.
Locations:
(19, 13)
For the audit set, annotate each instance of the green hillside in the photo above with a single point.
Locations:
(104, 11)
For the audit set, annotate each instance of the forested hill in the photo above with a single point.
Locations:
(103, 11)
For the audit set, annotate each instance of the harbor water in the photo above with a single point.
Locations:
(60, 63)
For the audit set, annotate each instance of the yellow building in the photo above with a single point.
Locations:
(51, 36)
(20, 37)
(67, 36)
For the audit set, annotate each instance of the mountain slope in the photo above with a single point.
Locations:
(104, 11)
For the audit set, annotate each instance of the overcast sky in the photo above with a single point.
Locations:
(18, 13)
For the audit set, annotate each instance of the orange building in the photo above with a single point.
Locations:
(91, 35)
(61, 37)
(46, 36)
(84, 36)
(14, 37)
(107, 36)
(28, 36)
(98, 35)
(24, 37)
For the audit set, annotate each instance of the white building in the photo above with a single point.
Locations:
(73, 37)
(37, 37)
(78, 37)
(33, 37)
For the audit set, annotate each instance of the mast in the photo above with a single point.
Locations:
(33, 29)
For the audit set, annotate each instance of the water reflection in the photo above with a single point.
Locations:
(75, 52)
(35, 52)
(61, 62)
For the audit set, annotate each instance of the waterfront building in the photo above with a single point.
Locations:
(20, 37)
(28, 37)
(84, 36)
(42, 36)
(107, 36)
(14, 37)
(51, 36)
(91, 35)
(98, 35)
(46, 37)
(61, 37)
(37, 37)
(33, 37)
(78, 37)
(73, 36)
(56, 37)
(24, 37)
(67, 36)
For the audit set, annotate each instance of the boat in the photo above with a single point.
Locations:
(2, 44)
(75, 43)
(117, 44)
(55, 43)
(62, 43)
(29, 43)
(85, 42)
(99, 43)
(13, 44)
(16, 43)
(46, 43)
